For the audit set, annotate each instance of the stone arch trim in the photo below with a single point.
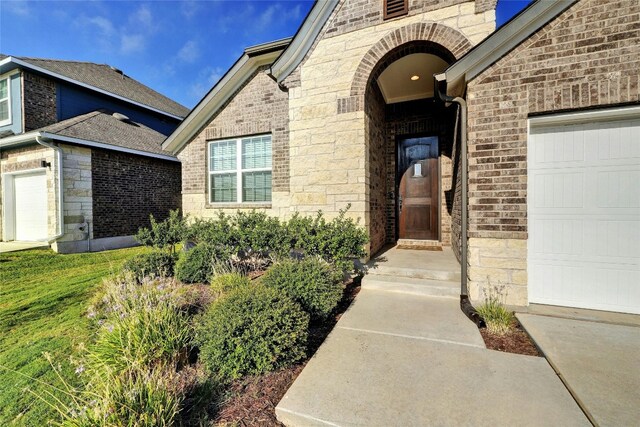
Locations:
(452, 40)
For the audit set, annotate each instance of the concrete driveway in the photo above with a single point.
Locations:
(599, 362)
(21, 246)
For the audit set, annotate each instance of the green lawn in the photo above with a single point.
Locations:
(43, 297)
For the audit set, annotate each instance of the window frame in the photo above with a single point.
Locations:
(239, 171)
(8, 120)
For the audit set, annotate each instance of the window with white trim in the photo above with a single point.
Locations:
(5, 102)
(240, 170)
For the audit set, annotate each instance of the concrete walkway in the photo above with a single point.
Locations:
(21, 246)
(399, 359)
(599, 362)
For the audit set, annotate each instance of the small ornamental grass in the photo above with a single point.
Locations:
(311, 282)
(499, 319)
(250, 331)
(135, 371)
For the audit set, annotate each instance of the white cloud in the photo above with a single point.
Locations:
(190, 52)
(16, 7)
(132, 43)
(142, 19)
(207, 77)
(103, 24)
(189, 8)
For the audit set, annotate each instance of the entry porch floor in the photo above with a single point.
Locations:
(410, 358)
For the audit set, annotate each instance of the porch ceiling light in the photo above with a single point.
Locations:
(415, 77)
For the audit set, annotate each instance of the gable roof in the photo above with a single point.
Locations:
(252, 58)
(100, 129)
(500, 43)
(100, 78)
(303, 40)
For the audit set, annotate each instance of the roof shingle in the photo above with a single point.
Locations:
(109, 79)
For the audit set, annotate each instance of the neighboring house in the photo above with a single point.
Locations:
(81, 163)
(348, 112)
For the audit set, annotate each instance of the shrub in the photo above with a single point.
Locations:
(499, 320)
(165, 234)
(311, 282)
(153, 264)
(197, 265)
(250, 331)
(222, 284)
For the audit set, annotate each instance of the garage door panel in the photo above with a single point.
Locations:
(30, 204)
(567, 283)
(584, 215)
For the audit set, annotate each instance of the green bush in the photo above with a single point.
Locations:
(153, 264)
(250, 331)
(197, 265)
(165, 234)
(254, 237)
(222, 284)
(311, 282)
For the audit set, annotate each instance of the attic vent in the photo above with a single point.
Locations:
(395, 8)
(120, 117)
(117, 70)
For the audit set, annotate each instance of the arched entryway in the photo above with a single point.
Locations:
(410, 140)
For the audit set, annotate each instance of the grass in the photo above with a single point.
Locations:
(43, 298)
(498, 318)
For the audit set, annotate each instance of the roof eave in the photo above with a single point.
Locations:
(30, 137)
(303, 40)
(501, 42)
(217, 96)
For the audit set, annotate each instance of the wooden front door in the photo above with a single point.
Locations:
(418, 188)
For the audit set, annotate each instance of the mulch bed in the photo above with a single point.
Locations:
(517, 341)
(252, 400)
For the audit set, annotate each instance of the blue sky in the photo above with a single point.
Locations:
(179, 48)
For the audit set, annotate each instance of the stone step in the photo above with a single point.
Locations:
(416, 273)
(412, 285)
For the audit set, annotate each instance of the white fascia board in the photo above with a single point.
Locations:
(217, 96)
(502, 41)
(10, 141)
(95, 144)
(15, 140)
(586, 116)
(303, 40)
(32, 67)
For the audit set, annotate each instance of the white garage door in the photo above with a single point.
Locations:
(584, 215)
(30, 196)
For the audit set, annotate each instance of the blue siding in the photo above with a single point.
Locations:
(16, 105)
(73, 102)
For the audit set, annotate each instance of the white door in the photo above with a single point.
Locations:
(30, 201)
(584, 215)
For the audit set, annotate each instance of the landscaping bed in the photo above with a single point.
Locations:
(252, 401)
(516, 341)
(215, 333)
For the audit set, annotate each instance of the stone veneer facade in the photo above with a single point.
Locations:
(327, 151)
(588, 56)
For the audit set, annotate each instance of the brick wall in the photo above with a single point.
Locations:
(377, 162)
(128, 188)
(39, 101)
(258, 107)
(589, 56)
